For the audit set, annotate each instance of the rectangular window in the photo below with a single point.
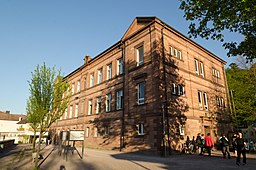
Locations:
(175, 52)
(201, 68)
(171, 51)
(91, 80)
(98, 105)
(140, 129)
(173, 88)
(85, 82)
(99, 76)
(205, 101)
(76, 112)
(200, 100)
(109, 71)
(66, 114)
(119, 99)
(196, 66)
(87, 132)
(78, 87)
(70, 111)
(179, 55)
(90, 107)
(106, 130)
(108, 102)
(95, 132)
(73, 88)
(140, 55)
(120, 66)
(82, 110)
(141, 93)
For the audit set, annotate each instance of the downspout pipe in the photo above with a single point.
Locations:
(122, 118)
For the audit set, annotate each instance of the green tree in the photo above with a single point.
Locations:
(242, 82)
(49, 97)
(211, 18)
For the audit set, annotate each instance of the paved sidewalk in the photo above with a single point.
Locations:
(114, 160)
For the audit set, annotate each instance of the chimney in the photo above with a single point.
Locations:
(87, 58)
(7, 111)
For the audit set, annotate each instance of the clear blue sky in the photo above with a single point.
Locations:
(62, 32)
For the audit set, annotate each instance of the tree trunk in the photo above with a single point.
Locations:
(34, 142)
(38, 149)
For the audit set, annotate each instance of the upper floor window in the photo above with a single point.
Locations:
(108, 102)
(215, 75)
(199, 67)
(66, 114)
(109, 71)
(120, 66)
(119, 99)
(220, 101)
(78, 87)
(140, 128)
(106, 130)
(73, 88)
(140, 55)
(76, 112)
(98, 105)
(95, 132)
(82, 110)
(91, 80)
(99, 76)
(177, 89)
(196, 66)
(141, 93)
(70, 111)
(175, 52)
(90, 107)
(202, 100)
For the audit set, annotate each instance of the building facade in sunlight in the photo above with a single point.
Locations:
(148, 92)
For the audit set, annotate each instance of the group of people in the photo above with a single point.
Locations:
(205, 144)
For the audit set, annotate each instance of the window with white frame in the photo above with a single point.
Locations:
(73, 88)
(66, 114)
(90, 107)
(141, 129)
(120, 66)
(175, 53)
(141, 92)
(119, 99)
(196, 66)
(180, 55)
(99, 76)
(106, 130)
(78, 87)
(84, 82)
(177, 89)
(201, 68)
(171, 51)
(87, 132)
(200, 100)
(205, 101)
(76, 112)
(70, 111)
(95, 132)
(140, 55)
(109, 71)
(91, 80)
(108, 102)
(98, 105)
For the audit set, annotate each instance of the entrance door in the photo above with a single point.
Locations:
(207, 130)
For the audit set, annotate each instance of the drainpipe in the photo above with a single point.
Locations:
(122, 118)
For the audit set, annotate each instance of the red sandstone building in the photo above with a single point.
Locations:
(148, 91)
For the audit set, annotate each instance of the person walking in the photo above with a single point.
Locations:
(240, 147)
(199, 144)
(208, 143)
(224, 143)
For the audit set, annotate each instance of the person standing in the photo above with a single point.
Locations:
(208, 143)
(199, 144)
(240, 147)
(224, 143)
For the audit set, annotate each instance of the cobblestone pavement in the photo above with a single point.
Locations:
(113, 160)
